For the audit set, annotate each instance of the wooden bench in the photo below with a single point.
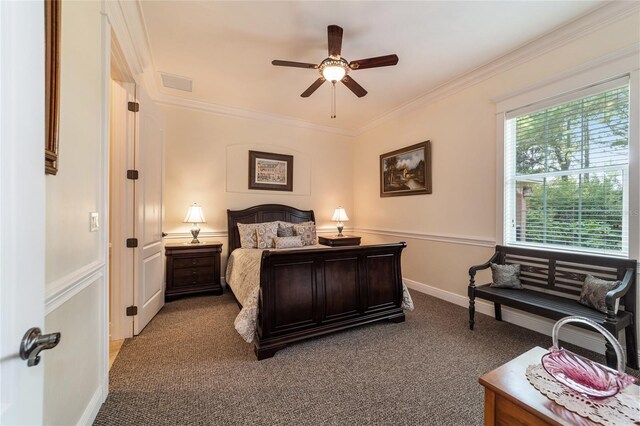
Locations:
(552, 282)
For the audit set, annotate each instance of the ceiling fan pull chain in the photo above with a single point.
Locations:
(333, 100)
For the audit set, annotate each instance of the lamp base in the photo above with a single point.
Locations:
(194, 232)
(340, 228)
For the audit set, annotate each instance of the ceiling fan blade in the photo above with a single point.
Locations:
(353, 86)
(335, 40)
(294, 64)
(380, 61)
(313, 87)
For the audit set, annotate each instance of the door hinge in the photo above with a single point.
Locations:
(132, 242)
(133, 106)
(132, 174)
(132, 311)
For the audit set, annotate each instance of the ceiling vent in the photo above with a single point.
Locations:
(177, 82)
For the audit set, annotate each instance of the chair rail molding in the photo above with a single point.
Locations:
(61, 290)
(443, 238)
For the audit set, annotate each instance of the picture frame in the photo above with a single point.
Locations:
(406, 171)
(270, 171)
(52, 23)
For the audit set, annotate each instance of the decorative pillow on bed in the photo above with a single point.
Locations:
(248, 234)
(288, 242)
(265, 233)
(594, 291)
(506, 276)
(285, 229)
(307, 232)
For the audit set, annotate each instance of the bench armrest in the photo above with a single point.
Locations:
(476, 268)
(617, 293)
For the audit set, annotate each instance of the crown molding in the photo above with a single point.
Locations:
(620, 61)
(176, 101)
(579, 27)
(128, 23)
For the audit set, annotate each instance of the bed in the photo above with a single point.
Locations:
(294, 294)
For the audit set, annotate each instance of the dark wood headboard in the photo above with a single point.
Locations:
(263, 213)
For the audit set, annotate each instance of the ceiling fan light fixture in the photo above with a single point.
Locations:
(333, 69)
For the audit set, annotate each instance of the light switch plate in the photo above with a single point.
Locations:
(94, 221)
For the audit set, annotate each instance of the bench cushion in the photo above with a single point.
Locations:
(547, 305)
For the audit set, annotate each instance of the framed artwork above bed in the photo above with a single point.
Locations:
(270, 171)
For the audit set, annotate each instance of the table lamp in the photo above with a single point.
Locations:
(340, 215)
(195, 216)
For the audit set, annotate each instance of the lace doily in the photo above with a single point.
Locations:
(621, 409)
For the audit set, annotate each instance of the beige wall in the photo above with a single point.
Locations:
(462, 129)
(73, 370)
(206, 160)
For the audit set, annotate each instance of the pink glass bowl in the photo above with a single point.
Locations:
(584, 376)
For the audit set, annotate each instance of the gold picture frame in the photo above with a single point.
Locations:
(52, 84)
(406, 171)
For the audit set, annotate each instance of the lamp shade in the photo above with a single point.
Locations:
(195, 215)
(333, 73)
(340, 215)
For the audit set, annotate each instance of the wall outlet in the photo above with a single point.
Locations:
(94, 221)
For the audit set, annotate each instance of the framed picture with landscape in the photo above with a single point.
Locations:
(270, 171)
(406, 171)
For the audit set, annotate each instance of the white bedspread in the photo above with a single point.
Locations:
(243, 276)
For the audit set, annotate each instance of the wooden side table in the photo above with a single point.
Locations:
(509, 398)
(336, 241)
(192, 269)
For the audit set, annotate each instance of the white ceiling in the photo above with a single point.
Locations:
(226, 47)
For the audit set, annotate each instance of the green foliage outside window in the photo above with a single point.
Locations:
(572, 160)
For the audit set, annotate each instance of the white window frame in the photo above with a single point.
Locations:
(614, 66)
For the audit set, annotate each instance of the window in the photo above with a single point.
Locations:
(566, 172)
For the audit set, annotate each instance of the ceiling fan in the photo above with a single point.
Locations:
(335, 68)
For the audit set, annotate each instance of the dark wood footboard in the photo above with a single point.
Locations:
(309, 293)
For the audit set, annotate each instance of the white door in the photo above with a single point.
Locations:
(22, 206)
(121, 209)
(149, 255)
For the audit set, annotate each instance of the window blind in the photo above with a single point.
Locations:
(567, 170)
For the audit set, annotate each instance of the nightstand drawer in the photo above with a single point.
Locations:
(191, 262)
(192, 269)
(192, 276)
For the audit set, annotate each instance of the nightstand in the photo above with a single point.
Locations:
(336, 241)
(192, 269)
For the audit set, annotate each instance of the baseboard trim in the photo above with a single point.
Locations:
(578, 337)
(91, 411)
(61, 290)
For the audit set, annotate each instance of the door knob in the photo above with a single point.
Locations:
(164, 234)
(35, 342)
